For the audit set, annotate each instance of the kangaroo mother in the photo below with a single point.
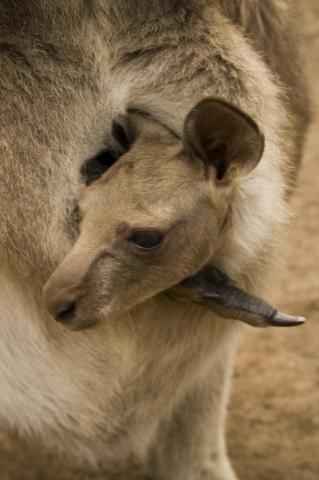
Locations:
(67, 69)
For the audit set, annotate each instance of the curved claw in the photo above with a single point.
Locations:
(284, 320)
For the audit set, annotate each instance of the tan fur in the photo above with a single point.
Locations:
(113, 394)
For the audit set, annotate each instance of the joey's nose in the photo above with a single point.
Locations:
(62, 305)
(66, 313)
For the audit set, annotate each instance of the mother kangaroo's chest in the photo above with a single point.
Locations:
(174, 343)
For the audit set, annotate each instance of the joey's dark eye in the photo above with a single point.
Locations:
(147, 239)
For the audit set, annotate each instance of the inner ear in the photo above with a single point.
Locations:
(226, 139)
(218, 158)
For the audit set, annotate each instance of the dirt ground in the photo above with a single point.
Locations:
(273, 427)
(274, 410)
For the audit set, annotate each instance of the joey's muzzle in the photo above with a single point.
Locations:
(217, 292)
(66, 286)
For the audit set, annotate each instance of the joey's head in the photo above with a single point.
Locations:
(157, 215)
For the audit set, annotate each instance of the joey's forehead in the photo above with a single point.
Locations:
(156, 193)
(143, 182)
(150, 157)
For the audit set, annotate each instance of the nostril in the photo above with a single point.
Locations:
(67, 314)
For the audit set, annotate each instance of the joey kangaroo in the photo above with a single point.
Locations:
(168, 202)
(168, 207)
(135, 392)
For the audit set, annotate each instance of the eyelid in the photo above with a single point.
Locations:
(146, 231)
(153, 228)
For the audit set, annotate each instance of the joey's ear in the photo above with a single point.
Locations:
(124, 132)
(227, 140)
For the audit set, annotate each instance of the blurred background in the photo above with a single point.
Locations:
(273, 427)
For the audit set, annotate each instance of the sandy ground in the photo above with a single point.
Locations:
(273, 427)
(274, 410)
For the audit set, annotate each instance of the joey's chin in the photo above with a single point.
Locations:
(78, 324)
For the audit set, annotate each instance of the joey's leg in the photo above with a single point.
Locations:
(191, 444)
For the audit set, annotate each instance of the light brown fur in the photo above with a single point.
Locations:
(114, 393)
